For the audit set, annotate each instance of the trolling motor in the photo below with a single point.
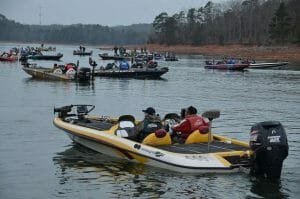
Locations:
(63, 111)
(269, 142)
(82, 111)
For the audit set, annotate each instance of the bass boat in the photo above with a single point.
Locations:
(201, 152)
(81, 53)
(238, 67)
(105, 56)
(44, 57)
(144, 73)
(11, 58)
(68, 72)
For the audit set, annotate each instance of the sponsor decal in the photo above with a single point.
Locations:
(197, 157)
(159, 154)
(274, 139)
(156, 153)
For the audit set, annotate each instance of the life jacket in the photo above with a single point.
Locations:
(69, 66)
(195, 122)
(149, 126)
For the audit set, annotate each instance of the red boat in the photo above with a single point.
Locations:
(8, 58)
(222, 66)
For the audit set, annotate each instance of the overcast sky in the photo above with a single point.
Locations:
(103, 12)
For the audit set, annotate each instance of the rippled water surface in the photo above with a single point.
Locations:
(38, 160)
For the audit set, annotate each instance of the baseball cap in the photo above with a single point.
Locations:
(150, 111)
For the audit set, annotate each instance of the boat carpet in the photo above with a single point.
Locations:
(199, 148)
(95, 124)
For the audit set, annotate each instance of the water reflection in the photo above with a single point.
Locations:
(85, 86)
(127, 179)
(267, 188)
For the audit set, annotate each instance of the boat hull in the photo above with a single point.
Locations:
(138, 73)
(8, 59)
(237, 67)
(82, 53)
(108, 57)
(46, 74)
(45, 57)
(267, 65)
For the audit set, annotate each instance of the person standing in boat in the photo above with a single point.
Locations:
(190, 123)
(116, 50)
(150, 124)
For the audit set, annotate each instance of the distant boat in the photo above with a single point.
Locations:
(44, 57)
(144, 73)
(220, 66)
(171, 58)
(8, 58)
(81, 53)
(58, 74)
(267, 65)
(105, 56)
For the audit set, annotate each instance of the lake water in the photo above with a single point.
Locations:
(37, 160)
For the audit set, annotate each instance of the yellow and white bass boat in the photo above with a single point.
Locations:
(200, 153)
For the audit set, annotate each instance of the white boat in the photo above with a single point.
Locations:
(267, 65)
(200, 153)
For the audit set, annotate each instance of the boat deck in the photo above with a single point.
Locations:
(200, 148)
(95, 124)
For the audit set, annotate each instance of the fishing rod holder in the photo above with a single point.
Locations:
(211, 115)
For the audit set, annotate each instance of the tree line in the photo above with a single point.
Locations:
(233, 22)
(74, 34)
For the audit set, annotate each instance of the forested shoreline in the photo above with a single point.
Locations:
(254, 22)
(92, 34)
(247, 22)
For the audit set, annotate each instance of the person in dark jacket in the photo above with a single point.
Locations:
(150, 124)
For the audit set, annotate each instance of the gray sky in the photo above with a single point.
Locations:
(103, 12)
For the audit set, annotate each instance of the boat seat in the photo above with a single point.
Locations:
(197, 137)
(126, 127)
(158, 138)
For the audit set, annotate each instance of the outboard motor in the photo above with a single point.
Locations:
(269, 142)
(84, 74)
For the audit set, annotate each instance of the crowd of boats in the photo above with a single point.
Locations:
(138, 65)
(202, 151)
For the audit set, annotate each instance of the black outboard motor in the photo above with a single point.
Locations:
(269, 142)
(84, 74)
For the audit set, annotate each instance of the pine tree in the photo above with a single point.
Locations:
(280, 24)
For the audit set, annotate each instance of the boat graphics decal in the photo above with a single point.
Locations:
(155, 153)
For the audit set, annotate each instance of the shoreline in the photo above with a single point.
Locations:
(290, 54)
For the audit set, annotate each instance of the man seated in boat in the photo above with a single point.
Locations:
(124, 65)
(189, 124)
(231, 61)
(151, 64)
(150, 124)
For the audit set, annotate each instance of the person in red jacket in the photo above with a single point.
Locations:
(190, 123)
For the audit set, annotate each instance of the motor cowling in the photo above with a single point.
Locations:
(269, 142)
(84, 74)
